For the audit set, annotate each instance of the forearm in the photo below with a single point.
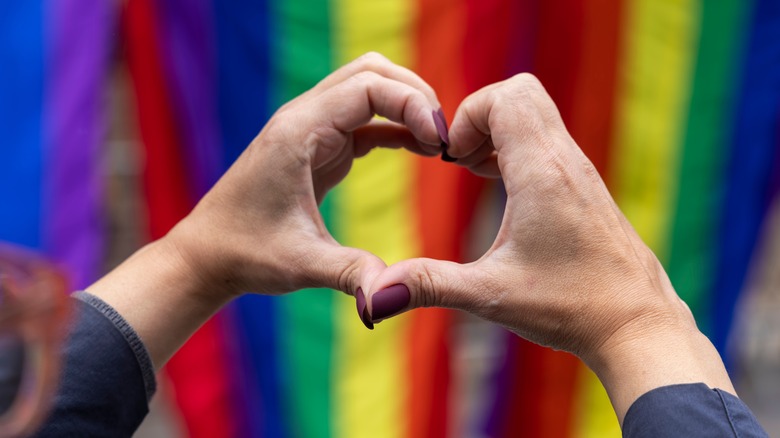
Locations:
(160, 296)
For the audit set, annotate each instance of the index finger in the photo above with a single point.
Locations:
(350, 105)
(517, 117)
(355, 101)
(379, 64)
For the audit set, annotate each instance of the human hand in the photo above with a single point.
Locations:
(566, 269)
(258, 229)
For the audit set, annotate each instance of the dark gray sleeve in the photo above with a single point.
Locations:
(690, 410)
(107, 377)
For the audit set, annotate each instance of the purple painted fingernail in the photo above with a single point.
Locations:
(441, 126)
(390, 301)
(362, 309)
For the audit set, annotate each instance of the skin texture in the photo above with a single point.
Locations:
(566, 269)
(258, 229)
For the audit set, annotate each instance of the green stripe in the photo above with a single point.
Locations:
(302, 56)
(693, 246)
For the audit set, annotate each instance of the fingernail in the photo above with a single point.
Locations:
(362, 309)
(390, 301)
(441, 126)
(446, 157)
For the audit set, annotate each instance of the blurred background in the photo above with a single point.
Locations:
(116, 116)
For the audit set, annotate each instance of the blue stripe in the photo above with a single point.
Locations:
(243, 44)
(244, 81)
(750, 166)
(21, 85)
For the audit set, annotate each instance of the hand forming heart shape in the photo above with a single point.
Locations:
(554, 263)
(566, 269)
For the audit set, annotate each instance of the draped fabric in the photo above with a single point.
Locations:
(677, 103)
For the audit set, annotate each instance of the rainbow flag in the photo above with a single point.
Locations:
(676, 102)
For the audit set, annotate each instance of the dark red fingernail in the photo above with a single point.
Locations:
(362, 309)
(441, 126)
(390, 301)
(446, 157)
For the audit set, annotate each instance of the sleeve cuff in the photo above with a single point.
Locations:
(690, 410)
(132, 338)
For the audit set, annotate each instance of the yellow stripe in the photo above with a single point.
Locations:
(652, 113)
(594, 417)
(375, 212)
(654, 91)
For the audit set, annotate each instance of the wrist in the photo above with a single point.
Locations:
(161, 296)
(208, 270)
(656, 351)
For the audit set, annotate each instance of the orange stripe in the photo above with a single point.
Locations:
(439, 40)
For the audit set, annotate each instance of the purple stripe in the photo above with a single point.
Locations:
(501, 384)
(188, 38)
(80, 34)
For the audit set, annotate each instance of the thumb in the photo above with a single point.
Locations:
(422, 283)
(349, 270)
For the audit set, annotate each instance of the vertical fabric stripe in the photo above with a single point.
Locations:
(187, 45)
(661, 39)
(21, 94)
(548, 392)
(186, 40)
(692, 257)
(169, 200)
(78, 49)
(591, 124)
(243, 39)
(749, 172)
(594, 416)
(302, 57)
(593, 109)
(649, 129)
(441, 201)
(488, 59)
(375, 206)
(244, 32)
(198, 370)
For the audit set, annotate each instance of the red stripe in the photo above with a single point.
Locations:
(197, 371)
(594, 101)
(488, 48)
(542, 394)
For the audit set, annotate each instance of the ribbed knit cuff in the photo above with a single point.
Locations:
(132, 338)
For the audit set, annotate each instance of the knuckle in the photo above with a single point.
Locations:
(428, 90)
(590, 171)
(372, 58)
(319, 271)
(346, 277)
(490, 301)
(558, 178)
(426, 279)
(525, 88)
(365, 78)
(526, 81)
